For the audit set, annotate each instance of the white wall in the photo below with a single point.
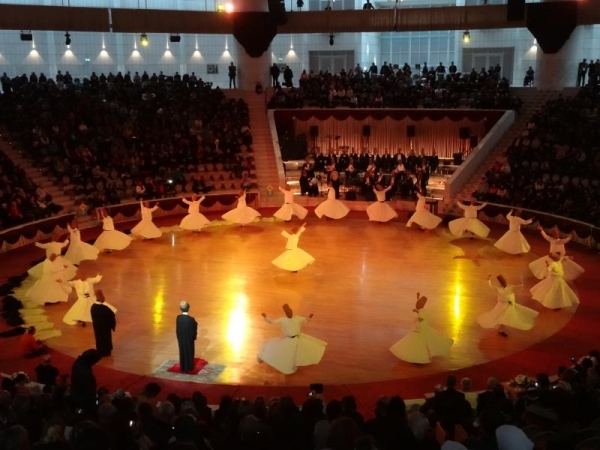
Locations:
(292, 49)
(48, 53)
(519, 38)
(112, 52)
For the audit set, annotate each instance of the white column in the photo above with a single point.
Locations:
(250, 70)
(553, 72)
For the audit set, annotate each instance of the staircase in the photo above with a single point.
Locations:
(268, 166)
(60, 194)
(533, 100)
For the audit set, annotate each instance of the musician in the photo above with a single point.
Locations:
(351, 172)
(320, 162)
(308, 166)
(305, 182)
(334, 176)
(369, 183)
(343, 161)
(433, 161)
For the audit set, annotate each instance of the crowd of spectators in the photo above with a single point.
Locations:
(554, 165)
(21, 201)
(391, 87)
(552, 413)
(103, 135)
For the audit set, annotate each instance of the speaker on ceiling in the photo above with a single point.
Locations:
(464, 133)
(314, 131)
(410, 131)
(367, 130)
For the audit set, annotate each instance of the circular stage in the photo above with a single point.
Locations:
(362, 289)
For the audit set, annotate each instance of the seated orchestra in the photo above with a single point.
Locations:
(361, 173)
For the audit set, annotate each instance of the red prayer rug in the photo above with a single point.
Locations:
(199, 364)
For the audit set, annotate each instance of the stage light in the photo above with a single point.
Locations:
(466, 37)
(144, 39)
(331, 39)
(26, 36)
(229, 8)
(175, 38)
(220, 7)
(67, 38)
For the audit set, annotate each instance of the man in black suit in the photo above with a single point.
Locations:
(104, 323)
(83, 381)
(450, 405)
(187, 331)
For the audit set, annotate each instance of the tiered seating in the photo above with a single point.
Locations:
(398, 89)
(102, 137)
(553, 166)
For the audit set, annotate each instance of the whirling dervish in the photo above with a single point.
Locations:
(78, 250)
(54, 248)
(381, 211)
(470, 222)
(422, 216)
(289, 208)
(195, 220)
(553, 291)
(293, 258)
(146, 228)
(422, 343)
(331, 208)
(50, 288)
(513, 241)
(507, 311)
(294, 348)
(242, 214)
(111, 239)
(571, 269)
(80, 312)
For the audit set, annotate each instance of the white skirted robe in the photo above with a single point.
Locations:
(48, 289)
(81, 309)
(553, 291)
(381, 211)
(293, 258)
(332, 207)
(422, 216)
(557, 245)
(422, 343)
(470, 222)
(242, 214)
(513, 241)
(54, 248)
(507, 311)
(289, 208)
(78, 250)
(111, 239)
(294, 348)
(146, 228)
(195, 220)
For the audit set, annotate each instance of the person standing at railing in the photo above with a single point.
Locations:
(232, 75)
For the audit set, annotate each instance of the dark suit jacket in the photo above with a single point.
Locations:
(451, 406)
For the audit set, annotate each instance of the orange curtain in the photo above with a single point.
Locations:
(389, 135)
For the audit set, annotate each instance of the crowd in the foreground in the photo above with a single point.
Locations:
(560, 415)
(426, 87)
(554, 165)
(118, 136)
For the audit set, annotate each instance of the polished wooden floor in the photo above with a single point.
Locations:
(361, 289)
